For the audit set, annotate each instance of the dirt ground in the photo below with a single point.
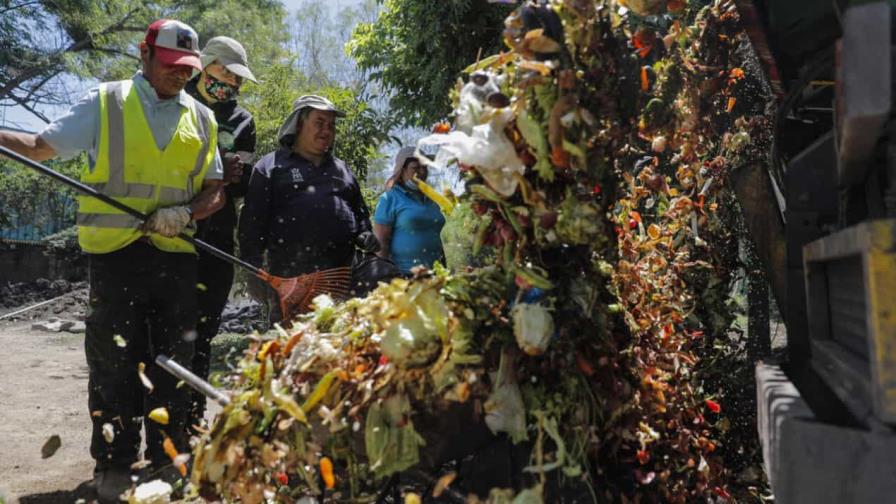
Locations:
(43, 391)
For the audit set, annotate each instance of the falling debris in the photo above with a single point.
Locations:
(140, 464)
(175, 457)
(443, 483)
(153, 492)
(50, 446)
(141, 372)
(159, 415)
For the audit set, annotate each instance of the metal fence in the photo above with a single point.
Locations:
(48, 215)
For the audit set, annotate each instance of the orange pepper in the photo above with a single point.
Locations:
(732, 101)
(441, 127)
(645, 81)
(171, 451)
(169, 448)
(326, 472)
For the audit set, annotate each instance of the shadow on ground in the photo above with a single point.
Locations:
(82, 491)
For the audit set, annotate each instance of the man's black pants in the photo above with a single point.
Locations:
(215, 278)
(142, 304)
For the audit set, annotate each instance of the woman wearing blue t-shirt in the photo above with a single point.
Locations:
(406, 222)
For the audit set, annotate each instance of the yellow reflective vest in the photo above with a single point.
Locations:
(130, 168)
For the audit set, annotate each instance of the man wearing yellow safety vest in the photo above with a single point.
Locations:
(152, 147)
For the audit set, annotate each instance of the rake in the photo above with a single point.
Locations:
(295, 293)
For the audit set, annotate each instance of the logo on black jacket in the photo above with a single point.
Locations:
(297, 175)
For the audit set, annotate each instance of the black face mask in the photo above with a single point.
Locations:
(220, 91)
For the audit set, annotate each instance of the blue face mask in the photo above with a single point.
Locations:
(411, 184)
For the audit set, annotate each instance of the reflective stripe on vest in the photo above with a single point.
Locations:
(116, 186)
(132, 169)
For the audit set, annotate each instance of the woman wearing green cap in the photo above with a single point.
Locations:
(224, 69)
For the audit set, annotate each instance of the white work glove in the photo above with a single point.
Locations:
(169, 222)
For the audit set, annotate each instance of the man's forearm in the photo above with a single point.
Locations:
(209, 200)
(27, 144)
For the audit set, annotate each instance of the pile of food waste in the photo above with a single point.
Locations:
(595, 153)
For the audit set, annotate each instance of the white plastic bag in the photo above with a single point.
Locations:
(487, 149)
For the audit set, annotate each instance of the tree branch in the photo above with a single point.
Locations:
(19, 6)
(27, 107)
(110, 50)
(54, 60)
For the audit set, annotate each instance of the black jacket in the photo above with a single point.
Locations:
(305, 217)
(236, 132)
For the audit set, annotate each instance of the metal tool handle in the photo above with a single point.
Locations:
(196, 383)
(220, 254)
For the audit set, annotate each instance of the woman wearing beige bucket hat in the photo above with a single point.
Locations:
(224, 69)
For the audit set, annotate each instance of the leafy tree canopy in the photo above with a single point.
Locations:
(97, 39)
(417, 48)
(358, 135)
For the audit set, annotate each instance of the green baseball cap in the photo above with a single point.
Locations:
(229, 53)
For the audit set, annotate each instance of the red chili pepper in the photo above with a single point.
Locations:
(643, 42)
(713, 406)
(282, 478)
(632, 224)
(721, 492)
(643, 457)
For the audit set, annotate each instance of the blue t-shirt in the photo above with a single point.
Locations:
(416, 222)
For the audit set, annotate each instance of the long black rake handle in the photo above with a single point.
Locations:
(220, 254)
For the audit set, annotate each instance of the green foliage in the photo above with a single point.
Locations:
(358, 135)
(97, 39)
(63, 241)
(29, 199)
(417, 48)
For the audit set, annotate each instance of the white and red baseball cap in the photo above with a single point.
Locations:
(175, 43)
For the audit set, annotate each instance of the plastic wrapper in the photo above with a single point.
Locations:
(504, 409)
(487, 149)
(533, 327)
(391, 442)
